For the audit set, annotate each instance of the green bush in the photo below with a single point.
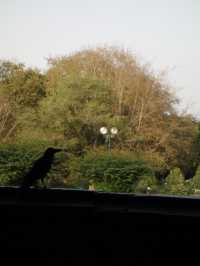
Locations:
(147, 184)
(174, 183)
(194, 183)
(17, 159)
(157, 164)
(116, 172)
(111, 172)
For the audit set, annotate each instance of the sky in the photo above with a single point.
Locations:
(162, 33)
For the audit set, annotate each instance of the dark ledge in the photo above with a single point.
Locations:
(101, 201)
(78, 227)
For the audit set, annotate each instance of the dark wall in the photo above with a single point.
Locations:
(69, 227)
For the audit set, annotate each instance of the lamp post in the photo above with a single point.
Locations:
(108, 134)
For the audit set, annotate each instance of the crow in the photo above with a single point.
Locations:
(40, 168)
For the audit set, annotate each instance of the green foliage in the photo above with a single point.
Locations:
(78, 107)
(157, 164)
(196, 179)
(67, 105)
(16, 159)
(194, 183)
(115, 172)
(147, 184)
(23, 87)
(175, 183)
(112, 172)
(21, 90)
(102, 186)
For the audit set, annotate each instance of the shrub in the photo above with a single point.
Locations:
(157, 164)
(16, 160)
(194, 183)
(175, 183)
(111, 172)
(147, 184)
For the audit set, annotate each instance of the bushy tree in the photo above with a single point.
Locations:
(21, 89)
(175, 183)
(194, 183)
(108, 86)
(77, 110)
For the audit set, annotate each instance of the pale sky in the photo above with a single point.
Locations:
(164, 33)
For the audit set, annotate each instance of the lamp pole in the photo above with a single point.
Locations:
(108, 134)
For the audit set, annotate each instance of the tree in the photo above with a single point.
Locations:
(7, 121)
(108, 85)
(175, 184)
(23, 87)
(77, 110)
(21, 90)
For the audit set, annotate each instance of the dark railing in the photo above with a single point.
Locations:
(77, 227)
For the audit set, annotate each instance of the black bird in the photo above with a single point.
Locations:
(40, 168)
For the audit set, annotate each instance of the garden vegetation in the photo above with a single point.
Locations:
(156, 150)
